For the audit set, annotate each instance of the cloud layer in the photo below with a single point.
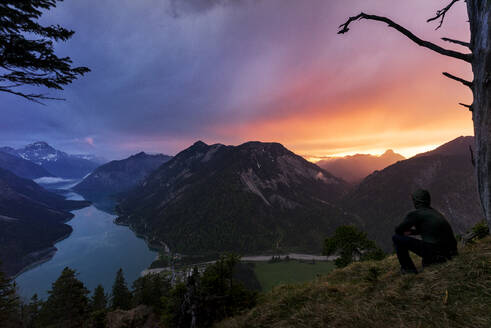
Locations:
(168, 72)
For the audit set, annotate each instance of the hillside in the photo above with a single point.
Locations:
(382, 199)
(119, 176)
(21, 167)
(31, 220)
(356, 167)
(250, 198)
(374, 294)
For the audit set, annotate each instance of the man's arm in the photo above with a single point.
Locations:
(406, 227)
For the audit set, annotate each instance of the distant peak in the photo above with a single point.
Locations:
(39, 144)
(388, 152)
(199, 143)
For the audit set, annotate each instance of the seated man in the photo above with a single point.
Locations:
(438, 243)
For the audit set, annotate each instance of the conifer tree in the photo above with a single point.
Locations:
(9, 302)
(99, 299)
(121, 296)
(67, 304)
(31, 311)
(27, 55)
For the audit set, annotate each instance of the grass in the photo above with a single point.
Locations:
(374, 294)
(287, 272)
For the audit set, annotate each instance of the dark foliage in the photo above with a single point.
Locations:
(31, 312)
(67, 304)
(121, 295)
(209, 297)
(481, 229)
(149, 290)
(27, 54)
(9, 303)
(351, 245)
(99, 299)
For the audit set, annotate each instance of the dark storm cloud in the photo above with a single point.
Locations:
(177, 8)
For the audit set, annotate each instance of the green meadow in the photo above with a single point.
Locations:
(271, 274)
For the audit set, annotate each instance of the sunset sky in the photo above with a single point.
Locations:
(166, 73)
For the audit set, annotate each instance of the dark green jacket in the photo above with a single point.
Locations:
(432, 226)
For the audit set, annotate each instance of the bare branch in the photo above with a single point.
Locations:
(441, 14)
(458, 79)
(469, 107)
(32, 97)
(462, 43)
(446, 52)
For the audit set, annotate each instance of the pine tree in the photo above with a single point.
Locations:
(27, 54)
(9, 302)
(67, 304)
(31, 311)
(121, 296)
(99, 299)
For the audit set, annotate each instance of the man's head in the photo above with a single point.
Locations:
(421, 198)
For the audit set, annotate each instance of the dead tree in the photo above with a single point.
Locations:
(478, 54)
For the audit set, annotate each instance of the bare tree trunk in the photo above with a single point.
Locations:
(479, 12)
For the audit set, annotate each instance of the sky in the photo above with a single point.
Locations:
(166, 73)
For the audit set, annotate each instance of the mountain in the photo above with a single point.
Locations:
(120, 176)
(31, 221)
(250, 198)
(57, 162)
(21, 167)
(356, 167)
(382, 199)
(459, 147)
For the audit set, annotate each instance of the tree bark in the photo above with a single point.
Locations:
(479, 12)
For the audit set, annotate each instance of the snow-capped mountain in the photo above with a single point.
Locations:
(40, 153)
(55, 161)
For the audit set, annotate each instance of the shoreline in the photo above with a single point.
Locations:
(49, 254)
(154, 247)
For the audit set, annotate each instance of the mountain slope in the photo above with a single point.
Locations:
(373, 295)
(31, 220)
(356, 167)
(383, 198)
(21, 167)
(119, 176)
(250, 198)
(57, 162)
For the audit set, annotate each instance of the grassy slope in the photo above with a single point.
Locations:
(273, 274)
(453, 294)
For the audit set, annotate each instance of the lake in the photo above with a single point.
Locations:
(96, 249)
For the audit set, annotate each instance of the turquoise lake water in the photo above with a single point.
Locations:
(96, 249)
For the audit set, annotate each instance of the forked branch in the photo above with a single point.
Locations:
(423, 43)
(440, 14)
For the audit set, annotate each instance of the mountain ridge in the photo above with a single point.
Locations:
(354, 168)
(251, 197)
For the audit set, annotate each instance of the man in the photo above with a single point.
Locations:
(438, 243)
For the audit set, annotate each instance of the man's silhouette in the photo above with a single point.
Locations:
(438, 243)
